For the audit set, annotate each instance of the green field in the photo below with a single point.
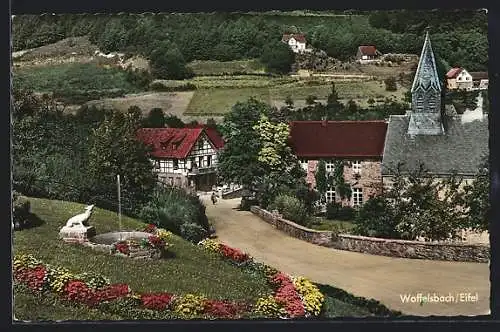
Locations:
(208, 67)
(219, 101)
(76, 76)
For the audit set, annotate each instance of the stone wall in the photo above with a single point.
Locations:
(378, 246)
(232, 194)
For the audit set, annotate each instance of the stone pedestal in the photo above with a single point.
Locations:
(77, 234)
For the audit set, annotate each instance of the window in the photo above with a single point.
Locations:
(330, 166)
(209, 161)
(163, 166)
(200, 161)
(356, 166)
(357, 196)
(176, 164)
(304, 163)
(330, 196)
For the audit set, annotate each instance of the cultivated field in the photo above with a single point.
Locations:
(203, 68)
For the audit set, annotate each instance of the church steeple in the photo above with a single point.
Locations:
(425, 117)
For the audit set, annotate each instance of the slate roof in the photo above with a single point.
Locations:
(320, 139)
(367, 50)
(461, 148)
(426, 76)
(174, 143)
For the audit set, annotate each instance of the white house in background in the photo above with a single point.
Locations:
(297, 42)
(459, 79)
(184, 157)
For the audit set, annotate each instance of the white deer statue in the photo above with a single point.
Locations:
(80, 220)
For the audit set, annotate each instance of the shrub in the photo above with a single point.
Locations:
(189, 305)
(346, 213)
(177, 211)
(21, 211)
(376, 218)
(292, 209)
(332, 210)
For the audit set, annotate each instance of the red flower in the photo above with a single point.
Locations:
(224, 309)
(159, 301)
(78, 291)
(156, 241)
(34, 278)
(123, 248)
(233, 254)
(150, 228)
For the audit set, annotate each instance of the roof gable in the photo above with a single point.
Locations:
(367, 50)
(329, 139)
(297, 36)
(453, 72)
(174, 143)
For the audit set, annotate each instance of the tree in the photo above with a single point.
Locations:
(278, 58)
(172, 121)
(390, 84)
(283, 172)
(155, 119)
(167, 62)
(426, 207)
(238, 160)
(376, 218)
(321, 179)
(478, 201)
(115, 150)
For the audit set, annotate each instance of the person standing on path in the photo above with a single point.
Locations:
(214, 198)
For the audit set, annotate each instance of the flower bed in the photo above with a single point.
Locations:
(293, 297)
(95, 291)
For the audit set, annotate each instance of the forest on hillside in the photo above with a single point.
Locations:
(458, 37)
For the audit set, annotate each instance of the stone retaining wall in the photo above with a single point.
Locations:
(378, 246)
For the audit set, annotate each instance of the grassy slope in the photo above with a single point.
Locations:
(75, 76)
(192, 270)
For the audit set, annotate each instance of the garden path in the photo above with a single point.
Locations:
(385, 279)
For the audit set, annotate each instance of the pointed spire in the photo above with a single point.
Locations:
(425, 117)
(426, 76)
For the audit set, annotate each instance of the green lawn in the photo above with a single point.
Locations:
(220, 101)
(210, 67)
(323, 224)
(192, 270)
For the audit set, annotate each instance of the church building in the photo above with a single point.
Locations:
(444, 143)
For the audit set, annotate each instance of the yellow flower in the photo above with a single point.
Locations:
(189, 305)
(311, 296)
(267, 306)
(210, 244)
(164, 234)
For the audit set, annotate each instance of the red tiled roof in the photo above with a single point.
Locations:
(215, 137)
(173, 142)
(338, 138)
(453, 72)
(368, 50)
(212, 134)
(298, 37)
